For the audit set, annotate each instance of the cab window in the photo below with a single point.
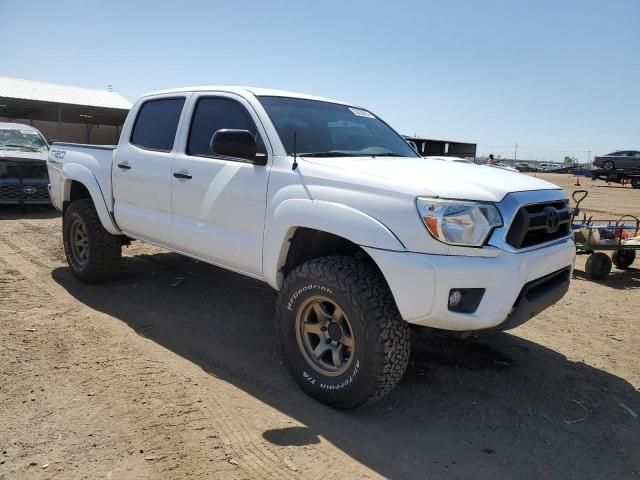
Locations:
(213, 114)
(156, 124)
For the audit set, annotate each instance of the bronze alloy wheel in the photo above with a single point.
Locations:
(341, 333)
(79, 242)
(325, 336)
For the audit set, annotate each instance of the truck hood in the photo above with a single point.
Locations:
(17, 156)
(439, 178)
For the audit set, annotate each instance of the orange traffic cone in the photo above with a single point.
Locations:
(577, 184)
(608, 183)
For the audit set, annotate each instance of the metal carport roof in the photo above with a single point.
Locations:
(30, 99)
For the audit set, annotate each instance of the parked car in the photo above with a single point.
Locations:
(549, 167)
(621, 159)
(23, 165)
(323, 201)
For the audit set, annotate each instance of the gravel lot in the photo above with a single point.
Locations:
(150, 376)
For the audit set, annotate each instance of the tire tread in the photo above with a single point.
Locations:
(371, 296)
(105, 249)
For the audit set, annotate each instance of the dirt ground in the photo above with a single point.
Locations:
(150, 376)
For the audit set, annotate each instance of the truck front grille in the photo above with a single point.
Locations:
(539, 223)
(23, 192)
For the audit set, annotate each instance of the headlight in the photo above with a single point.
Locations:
(459, 222)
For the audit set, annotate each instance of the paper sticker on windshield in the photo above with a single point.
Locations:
(361, 113)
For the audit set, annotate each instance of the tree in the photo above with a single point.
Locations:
(570, 161)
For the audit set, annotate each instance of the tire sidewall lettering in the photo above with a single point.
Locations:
(313, 380)
(306, 288)
(310, 376)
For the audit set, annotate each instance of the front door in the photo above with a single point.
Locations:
(219, 202)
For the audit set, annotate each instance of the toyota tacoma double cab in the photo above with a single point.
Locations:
(327, 204)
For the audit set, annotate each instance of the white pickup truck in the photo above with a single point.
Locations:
(327, 204)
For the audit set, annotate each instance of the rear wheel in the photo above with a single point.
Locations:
(341, 333)
(609, 165)
(635, 182)
(598, 266)
(623, 258)
(93, 254)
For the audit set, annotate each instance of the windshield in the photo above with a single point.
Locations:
(326, 129)
(22, 140)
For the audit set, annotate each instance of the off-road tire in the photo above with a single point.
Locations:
(635, 182)
(104, 249)
(623, 258)
(381, 337)
(598, 266)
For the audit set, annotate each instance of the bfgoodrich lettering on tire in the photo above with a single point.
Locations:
(341, 333)
(93, 253)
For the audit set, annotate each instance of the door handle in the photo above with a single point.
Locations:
(124, 166)
(182, 175)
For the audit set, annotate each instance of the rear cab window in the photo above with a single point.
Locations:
(157, 123)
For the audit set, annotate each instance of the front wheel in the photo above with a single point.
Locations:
(93, 254)
(635, 182)
(341, 333)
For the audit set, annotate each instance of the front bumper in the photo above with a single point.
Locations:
(24, 191)
(421, 283)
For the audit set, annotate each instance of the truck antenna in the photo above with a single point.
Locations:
(295, 150)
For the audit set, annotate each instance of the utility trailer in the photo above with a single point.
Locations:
(594, 237)
(618, 175)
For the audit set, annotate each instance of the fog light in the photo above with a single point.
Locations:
(465, 300)
(455, 297)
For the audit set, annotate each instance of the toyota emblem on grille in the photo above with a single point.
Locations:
(551, 219)
(29, 190)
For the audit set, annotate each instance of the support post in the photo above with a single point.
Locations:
(59, 123)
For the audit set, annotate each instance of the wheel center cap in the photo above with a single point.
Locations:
(335, 331)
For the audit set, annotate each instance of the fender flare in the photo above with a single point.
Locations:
(329, 217)
(74, 172)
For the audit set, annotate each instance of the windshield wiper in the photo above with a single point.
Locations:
(387, 154)
(24, 147)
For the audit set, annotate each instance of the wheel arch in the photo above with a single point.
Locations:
(79, 182)
(301, 230)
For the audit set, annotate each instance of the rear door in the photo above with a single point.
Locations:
(142, 169)
(219, 202)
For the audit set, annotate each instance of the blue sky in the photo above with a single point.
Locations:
(557, 77)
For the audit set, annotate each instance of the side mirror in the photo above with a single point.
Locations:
(234, 143)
